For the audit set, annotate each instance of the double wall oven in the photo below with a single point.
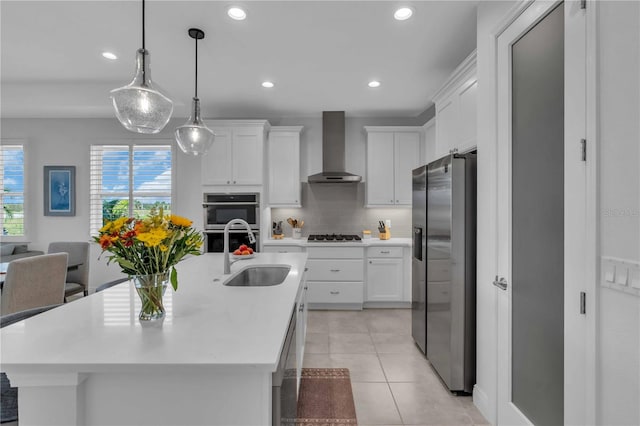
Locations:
(220, 208)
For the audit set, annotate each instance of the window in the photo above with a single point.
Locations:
(12, 184)
(128, 180)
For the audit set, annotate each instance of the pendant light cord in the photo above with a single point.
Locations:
(143, 24)
(196, 94)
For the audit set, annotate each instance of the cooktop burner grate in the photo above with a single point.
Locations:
(332, 238)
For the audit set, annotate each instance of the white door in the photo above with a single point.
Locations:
(533, 189)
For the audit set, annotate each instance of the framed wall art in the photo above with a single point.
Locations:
(59, 190)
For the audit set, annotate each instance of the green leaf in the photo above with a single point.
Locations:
(125, 263)
(174, 279)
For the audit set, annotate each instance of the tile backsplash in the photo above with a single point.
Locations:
(339, 208)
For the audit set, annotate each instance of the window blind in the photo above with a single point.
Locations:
(128, 180)
(12, 217)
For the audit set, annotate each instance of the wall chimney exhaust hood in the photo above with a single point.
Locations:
(333, 151)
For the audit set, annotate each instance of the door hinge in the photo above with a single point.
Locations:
(583, 303)
(583, 142)
(583, 4)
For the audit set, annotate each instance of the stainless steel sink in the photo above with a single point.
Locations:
(259, 276)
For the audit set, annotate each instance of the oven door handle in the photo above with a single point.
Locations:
(231, 204)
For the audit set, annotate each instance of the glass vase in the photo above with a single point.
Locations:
(151, 289)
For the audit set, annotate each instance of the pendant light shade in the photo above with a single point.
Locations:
(140, 106)
(194, 137)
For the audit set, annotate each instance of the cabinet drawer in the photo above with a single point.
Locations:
(335, 270)
(384, 252)
(335, 252)
(335, 292)
(282, 249)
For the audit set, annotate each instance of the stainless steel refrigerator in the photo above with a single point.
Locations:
(444, 267)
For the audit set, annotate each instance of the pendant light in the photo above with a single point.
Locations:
(140, 106)
(194, 137)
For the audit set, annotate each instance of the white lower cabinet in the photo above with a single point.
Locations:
(388, 280)
(335, 277)
(384, 280)
(301, 326)
(385, 274)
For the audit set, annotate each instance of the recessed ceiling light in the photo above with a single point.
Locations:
(109, 55)
(267, 84)
(403, 13)
(236, 13)
(374, 83)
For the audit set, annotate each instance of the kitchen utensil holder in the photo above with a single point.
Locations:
(296, 233)
(385, 235)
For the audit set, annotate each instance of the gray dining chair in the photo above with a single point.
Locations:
(33, 282)
(8, 394)
(78, 271)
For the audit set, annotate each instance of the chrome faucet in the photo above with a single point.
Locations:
(252, 239)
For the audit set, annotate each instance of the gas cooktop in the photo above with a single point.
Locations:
(333, 238)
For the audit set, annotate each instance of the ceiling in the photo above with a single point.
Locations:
(319, 54)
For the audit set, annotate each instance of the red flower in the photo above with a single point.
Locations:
(105, 241)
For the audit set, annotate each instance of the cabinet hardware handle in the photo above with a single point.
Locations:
(234, 181)
(335, 270)
(282, 251)
(391, 201)
(371, 261)
(334, 292)
(306, 269)
(385, 251)
(301, 308)
(228, 181)
(306, 287)
(397, 201)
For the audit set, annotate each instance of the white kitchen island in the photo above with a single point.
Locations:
(209, 362)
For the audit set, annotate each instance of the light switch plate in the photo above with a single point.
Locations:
(635, 278)
(610, 272)
(622, 274)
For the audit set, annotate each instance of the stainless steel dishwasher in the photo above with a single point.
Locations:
(284, 393)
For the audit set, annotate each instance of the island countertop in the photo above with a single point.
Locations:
(208, 326)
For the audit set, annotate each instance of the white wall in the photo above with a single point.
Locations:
(66, 142)
(490, 13)
(618, 34)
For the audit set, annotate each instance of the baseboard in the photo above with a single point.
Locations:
(388, 305)
(481, 401)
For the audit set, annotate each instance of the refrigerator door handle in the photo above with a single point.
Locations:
(500, 282)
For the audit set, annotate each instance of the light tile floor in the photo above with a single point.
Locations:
(392, 381)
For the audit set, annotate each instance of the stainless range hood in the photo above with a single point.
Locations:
(333, 151)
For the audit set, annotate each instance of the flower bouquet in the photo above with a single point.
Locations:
(148, 250)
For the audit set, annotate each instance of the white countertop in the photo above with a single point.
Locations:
(369, 242)
(207, 325)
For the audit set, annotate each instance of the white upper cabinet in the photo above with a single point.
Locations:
(456, 109)
(429, 144)
(283, 159)
(236, 157)
(392, 153)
